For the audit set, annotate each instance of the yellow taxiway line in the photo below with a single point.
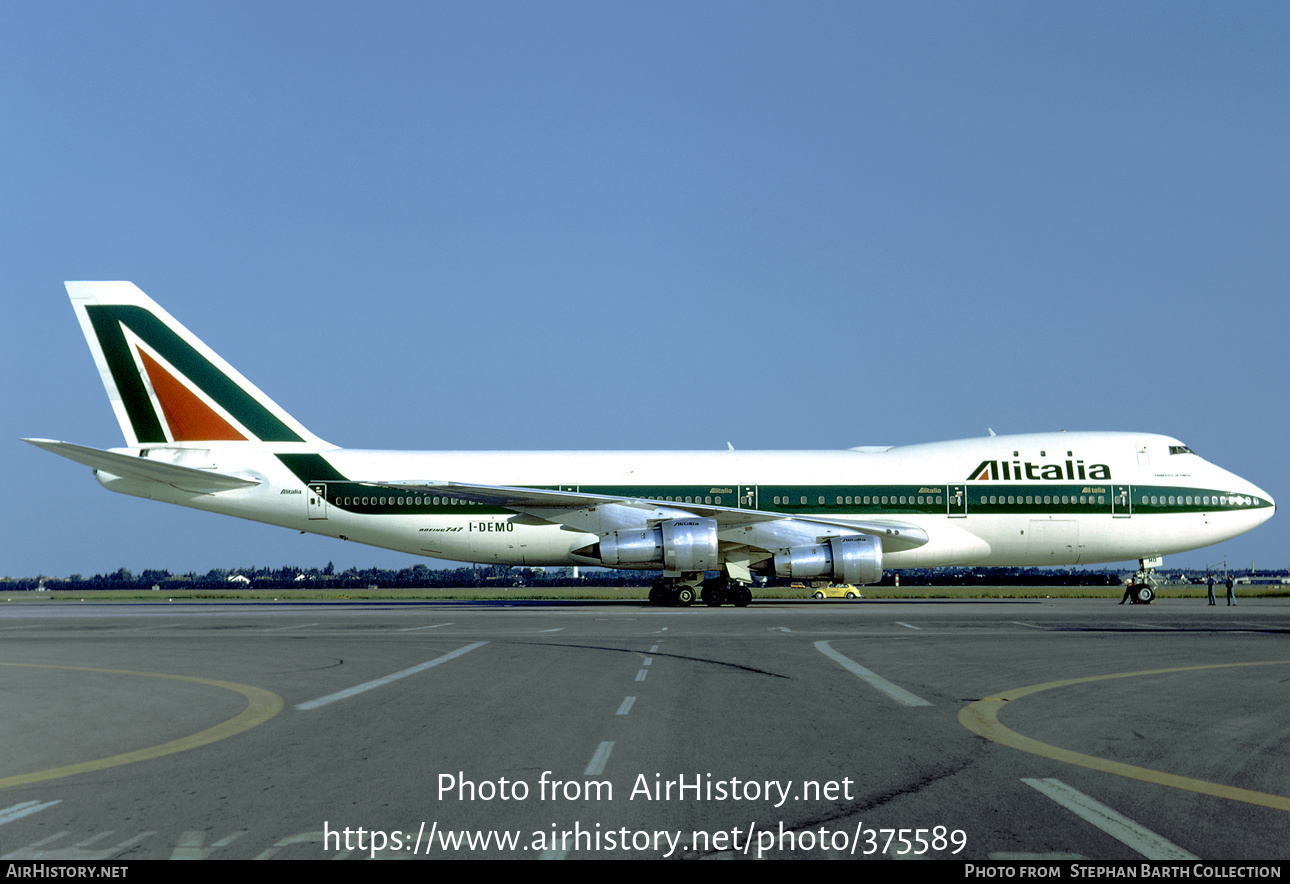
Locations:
(982, 718)
(261, 705)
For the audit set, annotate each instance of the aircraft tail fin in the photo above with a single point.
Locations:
(164, 383)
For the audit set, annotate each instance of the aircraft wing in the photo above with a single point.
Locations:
(570, 507)
(183, 478)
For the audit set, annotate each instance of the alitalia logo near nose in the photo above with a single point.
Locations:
(1071, 470)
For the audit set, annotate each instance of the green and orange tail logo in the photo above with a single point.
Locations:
(164, 383)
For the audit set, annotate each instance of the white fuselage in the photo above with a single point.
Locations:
(1041, 499)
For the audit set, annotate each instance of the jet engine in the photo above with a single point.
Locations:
(852, 559)
(673, 545)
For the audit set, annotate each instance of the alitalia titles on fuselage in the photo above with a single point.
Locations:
(1067, 471)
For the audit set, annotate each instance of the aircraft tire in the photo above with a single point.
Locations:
(743, 595)
(657, 593)
(712, 597)
(685, 595)
(1143, 594)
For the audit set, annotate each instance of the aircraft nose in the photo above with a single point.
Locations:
(1260, 499)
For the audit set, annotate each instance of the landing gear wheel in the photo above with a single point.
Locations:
(657, 593)
(685, 595)
(1142, 589)
(714, 591)
(743, 595)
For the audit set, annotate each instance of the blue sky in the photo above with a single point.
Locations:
(514, 225)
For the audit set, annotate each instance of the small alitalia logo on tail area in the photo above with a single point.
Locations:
(1070, 470)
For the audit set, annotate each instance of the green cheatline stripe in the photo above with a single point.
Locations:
(107, 320)
(313, 468)
(373, 500)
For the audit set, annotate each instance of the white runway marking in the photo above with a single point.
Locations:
(432, 626)
(627, 705)
(18, 811)
(897, 693)
(597, 765)
(82, 851)
(1119, 827)
(367, 686)
(640, 676)
(908, 626)
(557, 629)
(191, 843)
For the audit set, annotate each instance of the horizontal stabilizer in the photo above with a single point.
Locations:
(183, 478)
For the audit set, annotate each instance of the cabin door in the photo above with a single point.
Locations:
(956, 501)
(1121, 501)
(317, 496)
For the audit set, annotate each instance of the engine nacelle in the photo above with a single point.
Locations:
(853, 559)
(673, 545)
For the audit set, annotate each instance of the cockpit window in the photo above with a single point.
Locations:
(1180, 449)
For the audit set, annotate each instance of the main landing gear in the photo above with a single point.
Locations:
(712, 591)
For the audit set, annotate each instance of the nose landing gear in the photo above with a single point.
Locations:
(1142, 589)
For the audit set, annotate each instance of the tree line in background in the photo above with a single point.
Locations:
(291, 577)
(424, 577)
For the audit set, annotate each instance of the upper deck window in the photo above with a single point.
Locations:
(1180, 449)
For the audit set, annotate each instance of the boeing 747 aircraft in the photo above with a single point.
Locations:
(201, 435)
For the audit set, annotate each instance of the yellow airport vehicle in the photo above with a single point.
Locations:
(837, 591)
